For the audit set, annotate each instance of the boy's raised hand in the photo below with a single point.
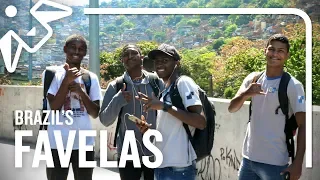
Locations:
(126, 94)
(72, 73)
(254, 89)
(150, 102)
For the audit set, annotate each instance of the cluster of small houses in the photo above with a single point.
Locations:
(180, 36)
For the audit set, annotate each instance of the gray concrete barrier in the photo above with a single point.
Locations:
(222, 164)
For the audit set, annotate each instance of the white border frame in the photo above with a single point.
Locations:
(243, 11)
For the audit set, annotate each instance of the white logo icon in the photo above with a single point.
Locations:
(43, 17)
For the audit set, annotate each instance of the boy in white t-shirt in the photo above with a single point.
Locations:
(67, 92)
(178, 155)
(264, 150)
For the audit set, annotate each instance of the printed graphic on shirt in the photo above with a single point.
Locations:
(74, 102)
(272, 89)
(301, 99)
(189, 95)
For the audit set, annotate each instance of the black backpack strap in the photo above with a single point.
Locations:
(256, 77)
(176, 100)
(154, 82)
(284, 106)
(48, 77)
(282, 94)
(119, 85)
(86, 80)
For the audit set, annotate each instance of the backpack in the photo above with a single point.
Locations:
(291, 123)
(154, 82)
(202, 140)
(48, 77)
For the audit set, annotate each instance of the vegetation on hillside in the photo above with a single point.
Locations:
(230, 60)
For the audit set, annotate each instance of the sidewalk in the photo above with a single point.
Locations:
(9, 172)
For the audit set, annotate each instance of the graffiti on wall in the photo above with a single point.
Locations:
(212, 168)
(230, 158)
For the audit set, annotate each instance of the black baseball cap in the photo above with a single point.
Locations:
(165, 49)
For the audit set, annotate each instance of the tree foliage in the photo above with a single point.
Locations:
(198, 64)
(193, 22)
(235, 58)
(193, 4)
(218, 43)
(111, 66)
(229, 30)
(173, 19)
(296, 65)
(213, 21)
(4, 80)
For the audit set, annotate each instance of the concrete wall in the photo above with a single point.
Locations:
(226, 155)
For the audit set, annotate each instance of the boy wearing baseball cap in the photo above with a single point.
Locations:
(178, 154)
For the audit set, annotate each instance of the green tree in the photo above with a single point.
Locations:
(110, 28)
(230, 29)
(296, 63)
(183, 22)
(205, 17)
(111, 66)
(104, 5)
(237, 67)
(198, 64)
(240, 19)
(149, 32)
(147, 46)
(120, 19)
(173, 19)
(183, 2)
(231, 3)
(170, 3)
(316, 73)
(155, 4)
(218, 43)
(217, 34)
(5, 80)
(193, 4)
(159, 36)
(214, 21)
(194, 22)
(127, 25)
(274, 4)
(238, 57)
(215, 4)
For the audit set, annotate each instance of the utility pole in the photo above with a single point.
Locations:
(210, 86)
(30, 45)
(94, 56)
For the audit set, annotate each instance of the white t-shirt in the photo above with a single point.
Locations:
(81, 120)
(265, 140)
(176, 148)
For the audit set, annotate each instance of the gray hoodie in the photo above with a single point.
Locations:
(113, 101)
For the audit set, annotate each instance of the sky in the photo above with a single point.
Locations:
(75, 2)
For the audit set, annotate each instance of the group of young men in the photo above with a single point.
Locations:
(147, 96)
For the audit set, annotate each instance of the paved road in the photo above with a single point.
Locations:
(9, 172)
